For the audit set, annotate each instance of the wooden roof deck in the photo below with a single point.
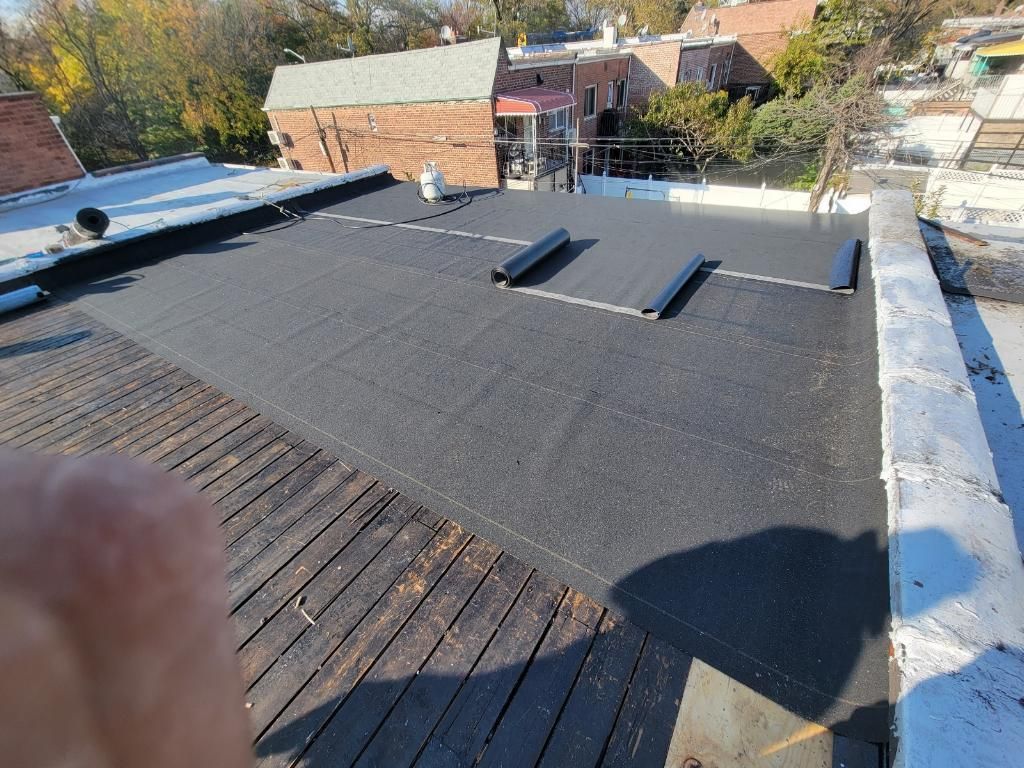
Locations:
(371, 631)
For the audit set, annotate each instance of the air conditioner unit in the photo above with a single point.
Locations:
(286, 164)
(279, 138)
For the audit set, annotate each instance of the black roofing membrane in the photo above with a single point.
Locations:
(713, 475)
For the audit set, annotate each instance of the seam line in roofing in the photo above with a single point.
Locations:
(331, 317)
(690, 328)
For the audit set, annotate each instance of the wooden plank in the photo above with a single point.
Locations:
(88, 424)
(261, 482)
(585, 725)
(18, 380)
(848, 753)
(235, 433)
(69, 379)
(352, 501)
(48, 380)
(409, 724)
(237, 522)
(314, 582)
(46, 345)
(78, 400)
(239, 449)
(353, 723)
(330, 549)
(252, 466)
(242, 551)
(41, 335)
(643, 730)
(149, 416)
(47, 422)
(462, 732)
(328, 660)
(722, 722)
(150, 433)
(524, 728)
(199, 435)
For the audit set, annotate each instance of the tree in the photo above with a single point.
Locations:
(834, 119)
(801, 62)
(698, 125)
(659, 16)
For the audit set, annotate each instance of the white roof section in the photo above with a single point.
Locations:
(143, 202)
(622, 45)
(463, 72)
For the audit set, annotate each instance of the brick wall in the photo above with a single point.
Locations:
(598, 73)
(404, 139)
(35, 154)
(654, 68)
(755, 55)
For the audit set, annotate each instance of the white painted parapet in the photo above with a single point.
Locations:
(956, 576)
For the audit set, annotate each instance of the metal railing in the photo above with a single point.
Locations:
(521, 160)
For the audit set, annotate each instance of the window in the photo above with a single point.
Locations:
(620, 96)
(611, 95)
(712, 85)
(589, 102)
(558, 120)
(752, 91)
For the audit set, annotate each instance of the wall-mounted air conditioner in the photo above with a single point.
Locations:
(286, 164)
(279, 138)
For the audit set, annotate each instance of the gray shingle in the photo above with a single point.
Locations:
(449, 73)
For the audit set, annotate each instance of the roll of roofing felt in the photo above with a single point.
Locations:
(516, 265)
(656, 306)
(843, 277)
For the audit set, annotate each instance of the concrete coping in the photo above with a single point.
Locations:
(957, 584)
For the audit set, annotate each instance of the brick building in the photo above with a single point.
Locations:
(762, 30)
(488, 116)
(34, 149)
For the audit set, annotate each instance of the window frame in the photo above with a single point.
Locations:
(559, 120)
(590, 102)
(620, 95)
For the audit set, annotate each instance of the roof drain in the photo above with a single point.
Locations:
(654, 308)
(843, 277)
(516, 265)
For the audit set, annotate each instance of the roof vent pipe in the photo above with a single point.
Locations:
(89, 224)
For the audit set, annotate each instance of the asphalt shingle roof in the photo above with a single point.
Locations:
(460, 72)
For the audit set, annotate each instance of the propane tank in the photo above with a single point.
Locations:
(432, 187)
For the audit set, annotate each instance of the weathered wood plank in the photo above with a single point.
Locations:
(643, 730)
(361, 547)
(101, 403)
(239, 451)
(50, 380)
(220, 442)
(261, 482)
(356, 720)
(59, 440)
(462, 733)
(326, 662)
(36, 421)
(586, 722)
(149, 416)
(150, 434)
(422, 705)
(237, 522)
(330, 549)
(524, 728)
(198, 436)
(254, 541)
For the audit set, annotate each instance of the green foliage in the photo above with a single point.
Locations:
(804, 59)
(699, 125)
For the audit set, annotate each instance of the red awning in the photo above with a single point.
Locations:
(532, 101)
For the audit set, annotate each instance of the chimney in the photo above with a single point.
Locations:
(609, 34)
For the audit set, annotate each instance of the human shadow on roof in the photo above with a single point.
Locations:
(106, 285)
(444, 691)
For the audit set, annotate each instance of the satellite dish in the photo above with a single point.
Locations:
(622, 19)
(447, 35)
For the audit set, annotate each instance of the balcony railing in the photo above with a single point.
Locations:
(1000, 98)
(523, 160)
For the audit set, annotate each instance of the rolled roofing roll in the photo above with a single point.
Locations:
(843, 277)
(516, 265)
(657, 305)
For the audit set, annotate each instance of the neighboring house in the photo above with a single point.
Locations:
(35, 152)
(523, 118)
(399, 109)
(762, 30)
